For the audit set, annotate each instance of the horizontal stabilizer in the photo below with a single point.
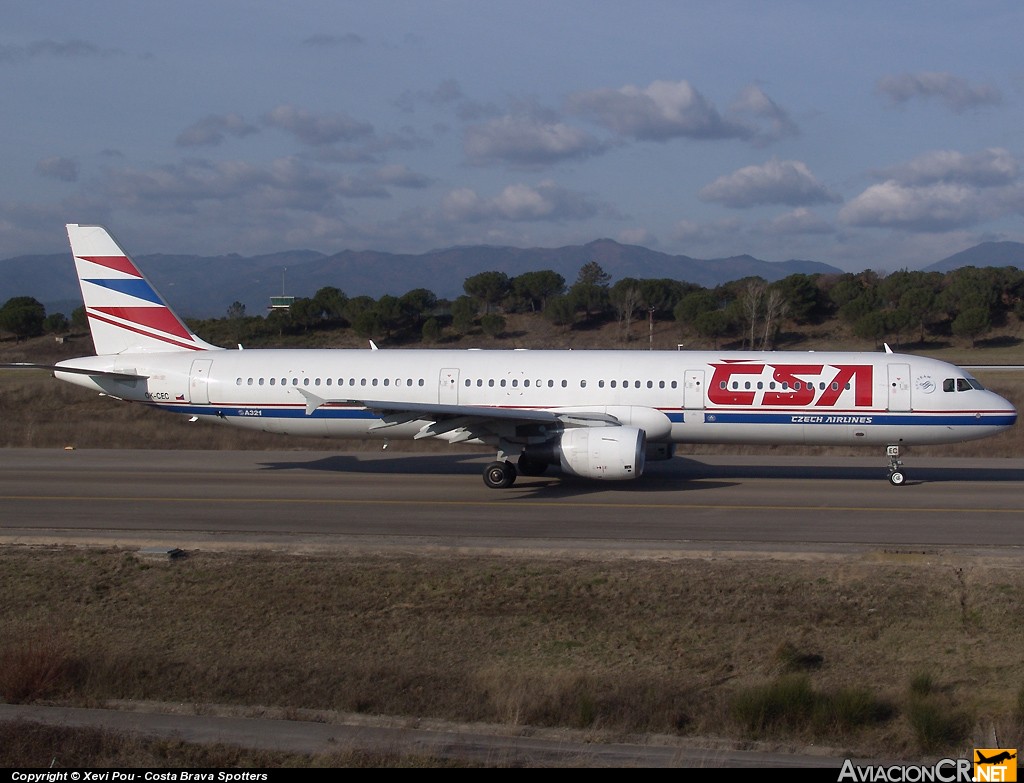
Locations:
(111, 374)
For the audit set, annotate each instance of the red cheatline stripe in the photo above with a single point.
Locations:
(120, 263)
(158, 318)
(168, 340)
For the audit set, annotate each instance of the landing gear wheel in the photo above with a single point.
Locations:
(500, 475)
(531, 467)
(896, 478)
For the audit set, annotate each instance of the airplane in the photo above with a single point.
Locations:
(1003, 756)
(597, 414)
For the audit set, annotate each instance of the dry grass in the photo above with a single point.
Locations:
(621, 646)
(30, 745)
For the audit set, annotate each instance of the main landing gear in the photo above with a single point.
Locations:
(500, 474)
(896, 477)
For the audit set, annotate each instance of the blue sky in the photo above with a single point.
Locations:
(869, 135)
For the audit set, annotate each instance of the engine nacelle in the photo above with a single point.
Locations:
(609, 453)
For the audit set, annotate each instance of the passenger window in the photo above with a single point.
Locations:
(583, 384)
(612, 384)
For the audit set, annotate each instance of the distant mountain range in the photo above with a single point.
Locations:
(204, 287)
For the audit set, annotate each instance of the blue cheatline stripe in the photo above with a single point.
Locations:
(866, 419)
(260, 412)
(139, 289)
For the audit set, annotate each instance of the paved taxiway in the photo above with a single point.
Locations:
(411, 500)
(803, 506)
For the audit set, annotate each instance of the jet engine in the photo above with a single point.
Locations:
(610, 453)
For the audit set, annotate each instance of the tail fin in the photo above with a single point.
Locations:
(126, 314)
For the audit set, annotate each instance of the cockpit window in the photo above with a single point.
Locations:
(961, 384)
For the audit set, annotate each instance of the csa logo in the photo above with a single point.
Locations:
(995, 764)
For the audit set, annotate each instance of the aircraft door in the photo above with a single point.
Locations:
(899, 387)
(199, 381)
(693, 390)
(448, 386)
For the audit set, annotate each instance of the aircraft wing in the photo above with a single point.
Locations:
(473, 420)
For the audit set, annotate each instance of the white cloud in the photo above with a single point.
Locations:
(211, 130)
(64, 169)
(658, 112)
(71, 49)
(937, 207)
(285, 184)
(988, 168)
(518, 202)
(753, 101)
(317, 129)
(401, 176)
(799, 221)
(953, 91)
(775, 182)
(527, 140)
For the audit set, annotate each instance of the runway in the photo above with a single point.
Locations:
(427, 501)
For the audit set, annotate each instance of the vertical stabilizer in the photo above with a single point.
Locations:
(126, 314)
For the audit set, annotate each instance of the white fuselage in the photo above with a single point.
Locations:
(679, 397)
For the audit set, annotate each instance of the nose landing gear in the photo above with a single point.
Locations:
(896, 475)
